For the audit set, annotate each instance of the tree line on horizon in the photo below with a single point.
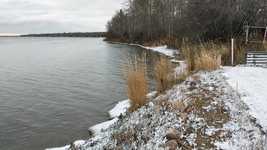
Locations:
(142, 21)
(69, 34)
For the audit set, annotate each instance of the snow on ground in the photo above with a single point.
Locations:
(102, 126)
(163, 50)
(77, 144)
(216, 113)
(122, 106)
(219, 118)
(182, 68)
(119, 109)
(160, 49)
(251, 82)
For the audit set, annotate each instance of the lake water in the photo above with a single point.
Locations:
(53, 89)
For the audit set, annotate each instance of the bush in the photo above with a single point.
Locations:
(137, 84)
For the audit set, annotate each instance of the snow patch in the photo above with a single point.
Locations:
(122, 106)
(119, 109)
(160, 49)
(251, 82)
(76, 144)
(103, 126)
(182, 68)
(163, 50)
(151, 94)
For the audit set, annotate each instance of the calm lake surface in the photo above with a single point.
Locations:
(53, 89)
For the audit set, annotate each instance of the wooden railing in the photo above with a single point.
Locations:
(256, 58)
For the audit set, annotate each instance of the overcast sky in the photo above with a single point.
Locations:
(43, 16)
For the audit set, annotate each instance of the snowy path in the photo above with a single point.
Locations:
(251, 83)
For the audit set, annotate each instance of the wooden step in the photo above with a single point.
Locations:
(256, 57)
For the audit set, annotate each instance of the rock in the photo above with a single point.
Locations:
(172, 145)
(211, 88)
(192, 85)
(172, 134)
(91, 133)
(151, 104)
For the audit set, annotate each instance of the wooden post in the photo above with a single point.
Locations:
(247, 34)
(232, 51)
(265, 36)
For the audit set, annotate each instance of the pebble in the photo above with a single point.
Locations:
(172, 145)
(172, 134)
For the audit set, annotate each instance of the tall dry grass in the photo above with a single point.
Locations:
(207, 61)
(265, 45)
(166, 76)
(163, 74)
(240, 53)
(137, 86)
(207, 56)
(188, 51)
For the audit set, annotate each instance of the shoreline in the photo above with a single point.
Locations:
(122, 106)
(120, 109)
(163, 49)
(221, 116)
(229, 111)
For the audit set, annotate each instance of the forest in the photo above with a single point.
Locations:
(144, 21)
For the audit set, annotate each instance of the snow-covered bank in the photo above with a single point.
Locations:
(164, 50)
(77, 144)
(160, 49)
(122, 106)
(251, 82)
(204, 112)
(114, 113)
(119, 109)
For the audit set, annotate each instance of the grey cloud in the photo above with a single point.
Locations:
(34, 16)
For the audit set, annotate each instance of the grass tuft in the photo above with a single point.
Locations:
(164, 75)
(137, 87)
(188, 51)
(205, 57)
(265, 45)
(207, 61)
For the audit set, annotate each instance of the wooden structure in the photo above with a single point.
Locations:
(253, 32)
(256, 35)
(256, 58)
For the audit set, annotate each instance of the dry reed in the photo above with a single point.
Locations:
(265, 45)
(136, 84)
(207, 61)
(188, 51)
(205, 57)
(164, 75)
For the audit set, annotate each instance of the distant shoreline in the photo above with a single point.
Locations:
(71, 34)
(10, 35)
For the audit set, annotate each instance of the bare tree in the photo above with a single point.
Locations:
(149, 20)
